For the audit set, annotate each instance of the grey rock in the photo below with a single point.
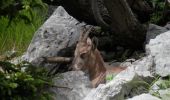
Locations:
(159, 49)
(144, 97)
(167, 26)
(59, 32)
(78, 86)
(153, 31)
(144, 66)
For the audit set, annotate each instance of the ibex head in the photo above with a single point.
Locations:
(84, 51)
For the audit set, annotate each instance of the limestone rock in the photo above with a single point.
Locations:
(59, 32)
(78, 86)
(159, 49)
(144, 97)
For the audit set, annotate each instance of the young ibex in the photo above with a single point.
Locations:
(88, 59)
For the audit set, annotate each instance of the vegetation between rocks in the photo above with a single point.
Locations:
(24, 82)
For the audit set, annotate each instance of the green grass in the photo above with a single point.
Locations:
(162, 84)
(19, 34)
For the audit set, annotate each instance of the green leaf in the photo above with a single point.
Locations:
(29, 79)
(13, 85)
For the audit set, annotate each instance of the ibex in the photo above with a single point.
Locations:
(88, 59)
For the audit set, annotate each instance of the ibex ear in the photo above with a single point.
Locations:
(94, 43)
(89, 42)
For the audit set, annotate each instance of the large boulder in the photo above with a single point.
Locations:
(159, 49)
(54, 38)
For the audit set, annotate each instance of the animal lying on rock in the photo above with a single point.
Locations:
(88, 59)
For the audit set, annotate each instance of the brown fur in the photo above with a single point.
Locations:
(88, 59)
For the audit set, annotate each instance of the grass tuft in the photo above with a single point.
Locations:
(19, 34)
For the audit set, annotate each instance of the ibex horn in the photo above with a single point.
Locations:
(81, 34)
(87, 33)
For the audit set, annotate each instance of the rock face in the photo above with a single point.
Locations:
(159, 49)
(144, 97)
(59, 32)
(78, 86)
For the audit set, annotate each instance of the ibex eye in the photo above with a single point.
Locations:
(82, 55)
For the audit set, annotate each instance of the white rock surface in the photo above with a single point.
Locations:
(144, 97)
(159, 49)
(144, 66)
(78, 86)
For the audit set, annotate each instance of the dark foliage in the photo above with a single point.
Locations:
(24, 82)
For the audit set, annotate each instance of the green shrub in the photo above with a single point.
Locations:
(24, 82)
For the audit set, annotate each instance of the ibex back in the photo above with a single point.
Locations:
(88, 59)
